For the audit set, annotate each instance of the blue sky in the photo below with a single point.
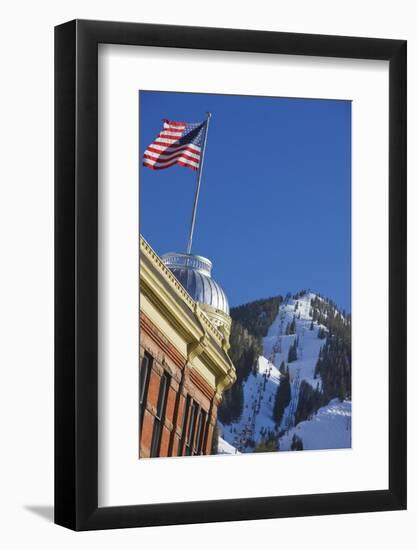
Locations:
(274, 213)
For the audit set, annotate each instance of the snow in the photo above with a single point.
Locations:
(224, 448)
(256, 422)
(330, 428)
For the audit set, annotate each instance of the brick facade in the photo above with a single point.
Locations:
(178, 418)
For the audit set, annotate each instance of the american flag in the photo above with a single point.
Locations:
(178, 143)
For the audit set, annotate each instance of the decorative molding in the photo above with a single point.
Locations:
(201, 384)
(169, 349)
(196, 348)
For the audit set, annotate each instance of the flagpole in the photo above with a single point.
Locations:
(197, 192)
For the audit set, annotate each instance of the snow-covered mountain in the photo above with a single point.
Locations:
(307, 414)
(330, 428)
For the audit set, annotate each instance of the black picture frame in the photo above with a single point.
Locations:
(76, 272)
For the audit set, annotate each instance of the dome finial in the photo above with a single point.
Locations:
(194, 273)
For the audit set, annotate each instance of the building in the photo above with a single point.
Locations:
(184, 364)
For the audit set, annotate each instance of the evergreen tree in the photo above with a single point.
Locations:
(342, 391)
(257, 316)
(282, 397)
(334, 365)
(321, 333)
(296, 443)
(309, 401)
(291, 327)
(215, 440)
(267, 445)
(292, 352)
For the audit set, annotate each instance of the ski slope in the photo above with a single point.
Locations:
(330, 428)
(256, 421)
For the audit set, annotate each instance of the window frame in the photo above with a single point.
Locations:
(159, 418)
(144, 386)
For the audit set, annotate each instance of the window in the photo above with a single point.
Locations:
(191, 431)
(160, 414)
(201, 432)
(144, 375)
(184, 425)
(197, 436)
(194, 424)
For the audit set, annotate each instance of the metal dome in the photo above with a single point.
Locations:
(194, 273)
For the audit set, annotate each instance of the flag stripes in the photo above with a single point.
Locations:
(178, 143)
